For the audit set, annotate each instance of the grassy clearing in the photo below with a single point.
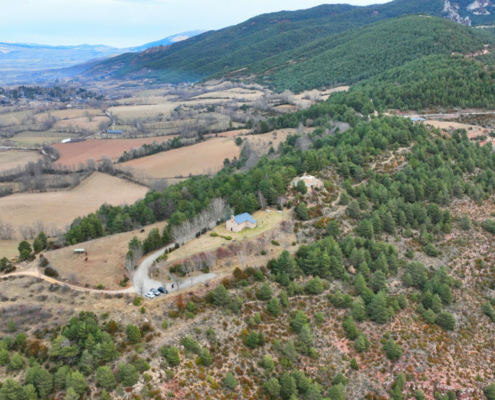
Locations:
(266, 222)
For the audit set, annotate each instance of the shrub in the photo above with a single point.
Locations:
(133, 333)
(446, 321)
(488, 225)
(51, 272)
(431, 250)
(314, 286)
(229, 381)
(392, 350)
(137, 301)
(275, 243)
(265, 292)
(214, 234)
(128, 374)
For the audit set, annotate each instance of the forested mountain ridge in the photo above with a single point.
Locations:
(268, 41)
(365, 52)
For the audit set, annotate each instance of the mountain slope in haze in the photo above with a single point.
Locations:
(167, 41)
(22, 58)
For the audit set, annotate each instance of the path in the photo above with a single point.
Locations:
(143, 283)
(38, 274)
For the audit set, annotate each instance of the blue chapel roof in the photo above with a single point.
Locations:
(241, 218)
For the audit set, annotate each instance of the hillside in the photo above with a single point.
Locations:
(362, 53)
(278, 40)
(435, 81)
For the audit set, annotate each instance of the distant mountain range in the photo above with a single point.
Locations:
(299, 46)
(18, 58)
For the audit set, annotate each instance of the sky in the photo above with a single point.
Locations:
(125, 23)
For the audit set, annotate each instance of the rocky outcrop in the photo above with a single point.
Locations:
(451, 11)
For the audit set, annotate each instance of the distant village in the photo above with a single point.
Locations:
(33, 97)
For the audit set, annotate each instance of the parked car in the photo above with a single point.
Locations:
(162, 290)
(155, 292)
(149, 295)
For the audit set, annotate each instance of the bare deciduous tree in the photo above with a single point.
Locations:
(210, 259)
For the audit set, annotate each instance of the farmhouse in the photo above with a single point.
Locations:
(309, 180)
(240, 222)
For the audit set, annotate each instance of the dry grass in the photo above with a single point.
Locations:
(202, 158)
(8, 248)
(69, 113)
(82, 122)
(105, 263)
(74, 153)
(266, 222)
(11, 159)
(61, 208)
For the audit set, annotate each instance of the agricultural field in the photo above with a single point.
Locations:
(30, 139)
(62, 207)
(105, 264)
(82, 122)
(13, 158)
(74, 153)
(202, 158)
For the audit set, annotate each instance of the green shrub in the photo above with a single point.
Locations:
(275, 243)
(137, 301)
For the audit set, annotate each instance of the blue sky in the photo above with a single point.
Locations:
(124, 23)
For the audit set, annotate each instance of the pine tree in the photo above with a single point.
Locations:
(221, 295)
(344, 199)
(361, 344)
(379, 282)
(402, 301)
(60, 378)
(104, 395)
(105, 378)
(229, 381)
(252, 340)
(489, 391)
(358, 310)
(465, 223)
(350, 328)
(389, 224)
(11, 390)
(353, 210)
(268, 363)
(172, 356)
(302, 212)
(378, 308)
(436, 304)
(305, 336)
(284, 300)
(30, 392)
(429, 316)
(78, 382)
(86, 362)
(71, 394)
(128, 374)
(288, 386)
(392, 350)
(273, 387)
(298, 321)
(206, 357)
(265, 292)
(16, 362)
(4, 357)
(133, 333)
(336, 268)
(333, 229)
(337, 392)
(446, 321)
(314, 286)
(354, 364)
(290, 351)
(274, 307)
(365, 229)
